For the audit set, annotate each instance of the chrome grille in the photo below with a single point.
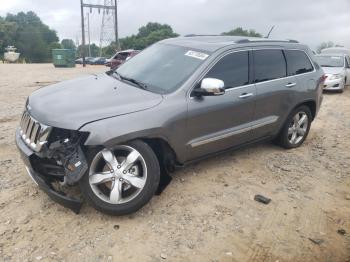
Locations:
(32, 132)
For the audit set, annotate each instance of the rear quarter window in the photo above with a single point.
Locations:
(269, 65)
(297, 62)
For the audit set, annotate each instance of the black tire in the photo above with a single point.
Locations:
(283, 137)
(145, 195)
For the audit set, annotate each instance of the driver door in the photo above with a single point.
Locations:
(219, 122)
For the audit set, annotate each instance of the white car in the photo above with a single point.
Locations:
(337, 70)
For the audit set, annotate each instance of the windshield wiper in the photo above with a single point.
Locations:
(328, 66)
(134, 81)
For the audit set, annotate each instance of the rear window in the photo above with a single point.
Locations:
(297, 62)
(269, 65)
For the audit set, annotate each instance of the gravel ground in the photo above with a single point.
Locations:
(207, 213)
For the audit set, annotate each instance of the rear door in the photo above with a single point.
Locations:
(275, 92)
(219, 122)
(280, 76)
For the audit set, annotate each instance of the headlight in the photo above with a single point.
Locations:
(335, 77)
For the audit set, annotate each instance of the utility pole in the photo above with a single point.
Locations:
(109, 28)
(116, 24)
(82, 31)
(88, 19)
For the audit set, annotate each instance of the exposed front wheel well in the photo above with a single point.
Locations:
(165, 154)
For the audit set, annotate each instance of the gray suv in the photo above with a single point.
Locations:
(117, 134)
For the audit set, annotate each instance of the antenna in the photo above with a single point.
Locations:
(268, 35)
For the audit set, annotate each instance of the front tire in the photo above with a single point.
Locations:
(296, 128)
(122, 179)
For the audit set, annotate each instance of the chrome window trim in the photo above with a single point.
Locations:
(247, 50)
(232, 133)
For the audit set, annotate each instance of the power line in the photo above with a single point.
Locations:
(109, 26)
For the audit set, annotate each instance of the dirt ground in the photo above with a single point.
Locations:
(207, 213)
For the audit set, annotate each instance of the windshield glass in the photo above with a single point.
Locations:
(330, 61)
(162, 67)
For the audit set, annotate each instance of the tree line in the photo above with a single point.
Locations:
(35, 40)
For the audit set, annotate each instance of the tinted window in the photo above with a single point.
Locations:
(269, 64)
(233, 69)
(163, 67)
(297, 62)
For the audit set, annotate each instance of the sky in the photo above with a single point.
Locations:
(310, 22)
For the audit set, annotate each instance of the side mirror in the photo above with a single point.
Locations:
(210, 87)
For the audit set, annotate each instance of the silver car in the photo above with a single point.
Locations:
(337, 70)
(119, 134)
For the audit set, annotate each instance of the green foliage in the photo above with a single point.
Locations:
(68, 44)
(33, 39)
(239, 31)
(324, 45)
(110, 50)
(147, 35)
(95, 50)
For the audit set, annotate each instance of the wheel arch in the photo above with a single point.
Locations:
(165, 153)
(311, 104)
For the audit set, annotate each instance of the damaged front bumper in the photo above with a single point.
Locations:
(76, 161)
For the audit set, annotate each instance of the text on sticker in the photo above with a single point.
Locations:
(198, 55)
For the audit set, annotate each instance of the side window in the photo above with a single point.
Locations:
(269, 65)
(233, 69)
(297, 62)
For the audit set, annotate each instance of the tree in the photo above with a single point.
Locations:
(148, 35)
(29, 34)
(324, 45)
(7, 34)
(95, 50)
(68, 44)
(239, 31)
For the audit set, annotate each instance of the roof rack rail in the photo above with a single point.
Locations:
(192, 35)
(247, 40)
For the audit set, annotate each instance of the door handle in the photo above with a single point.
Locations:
(246, 95)
(291, 84)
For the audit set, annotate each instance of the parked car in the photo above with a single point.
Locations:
(120, 57)
(88, 60)
(336, 50)
(337, 69)
(79, 61)
(98, 61)
(181, 100)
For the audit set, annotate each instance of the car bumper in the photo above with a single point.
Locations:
(39, 179)
(336, 84)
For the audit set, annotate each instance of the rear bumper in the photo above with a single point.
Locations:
(59, 197)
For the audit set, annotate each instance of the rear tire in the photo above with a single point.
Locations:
(122, 179)
(296, 128)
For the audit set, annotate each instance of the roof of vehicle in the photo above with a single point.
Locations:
(338, 50)
(331, 54)
(212, 43)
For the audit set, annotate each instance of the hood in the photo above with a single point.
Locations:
(333, 70)
(71, 104)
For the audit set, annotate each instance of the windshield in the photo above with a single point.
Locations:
(330, 61)
(162, 67)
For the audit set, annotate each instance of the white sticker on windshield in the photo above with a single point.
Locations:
(336, 57)
(198, 55)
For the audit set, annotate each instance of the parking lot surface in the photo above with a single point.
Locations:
(207, 213)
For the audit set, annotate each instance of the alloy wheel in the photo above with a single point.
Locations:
(298, 128)
(118, 175)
